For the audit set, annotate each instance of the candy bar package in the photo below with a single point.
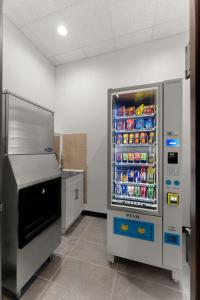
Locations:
(124, 190)
(137, 138)
(125, 157)
(119, 139)
(118, 189)
(150, 109)
(143, 138)
(149, 123)
(130, 124)
(125, 138)
(131, 138)
(120, 112)
(130, 191)
(130, 111)
(118, 157)
(139, 111)
(130, 176)
(139, 123)
(120, 125)
(151, 138)
(137, 157)
(130, 157)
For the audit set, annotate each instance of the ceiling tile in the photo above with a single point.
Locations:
(89, 21)
(46, 32)
(67, 57)
(28, 11)
(60, 4)
(167, 10)
(131, 15)
(134, 38)
(170, 28)
(104, 47)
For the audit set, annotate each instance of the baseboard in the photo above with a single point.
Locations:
(94, 214)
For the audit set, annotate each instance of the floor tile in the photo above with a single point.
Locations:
(77, 229)
(51, 266)
(147, 273)
(96, 232)
(35, 290)
(132, 288)
(55, 292)
(185, 278)
(99, 222)
(186, 296)
(87, 279)
(91, 252)
(66, 245)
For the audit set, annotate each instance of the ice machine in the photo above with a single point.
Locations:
(31, 191)
(145, 174)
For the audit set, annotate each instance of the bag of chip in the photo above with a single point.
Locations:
(139, 110)
(120, 111)
(150, 109)
(139, 123)
(130, 124)
(149, 123)
(120, 125)
(130, 111)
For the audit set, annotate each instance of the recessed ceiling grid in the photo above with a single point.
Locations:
(95, 26)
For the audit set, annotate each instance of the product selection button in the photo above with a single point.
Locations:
(168, 182)
(177, 182)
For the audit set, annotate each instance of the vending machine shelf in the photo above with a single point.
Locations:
(135, 145)
(133, 164)
(134, 204)
(135, 183)
(133, 117)
(134, 130)
(140, 199)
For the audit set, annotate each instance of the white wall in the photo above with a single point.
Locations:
(25, 70)
(81, 99)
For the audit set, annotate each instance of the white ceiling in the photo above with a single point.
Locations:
(95, 26)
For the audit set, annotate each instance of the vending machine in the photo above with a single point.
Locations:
(144, 174)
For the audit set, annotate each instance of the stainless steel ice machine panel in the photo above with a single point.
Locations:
(29, 127)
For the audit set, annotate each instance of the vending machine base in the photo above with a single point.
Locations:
(139, 238)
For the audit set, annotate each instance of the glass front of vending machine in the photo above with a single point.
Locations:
(135, 149)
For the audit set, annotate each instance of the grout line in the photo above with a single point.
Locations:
(114, 282)
(181, 290)
(90, 262)
(78, 240)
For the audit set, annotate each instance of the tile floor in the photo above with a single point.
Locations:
(79, 271)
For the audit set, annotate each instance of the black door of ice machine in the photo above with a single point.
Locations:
(39, 206)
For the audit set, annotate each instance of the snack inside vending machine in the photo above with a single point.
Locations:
(144, 175)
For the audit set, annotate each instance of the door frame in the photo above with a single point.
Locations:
(195, 135)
